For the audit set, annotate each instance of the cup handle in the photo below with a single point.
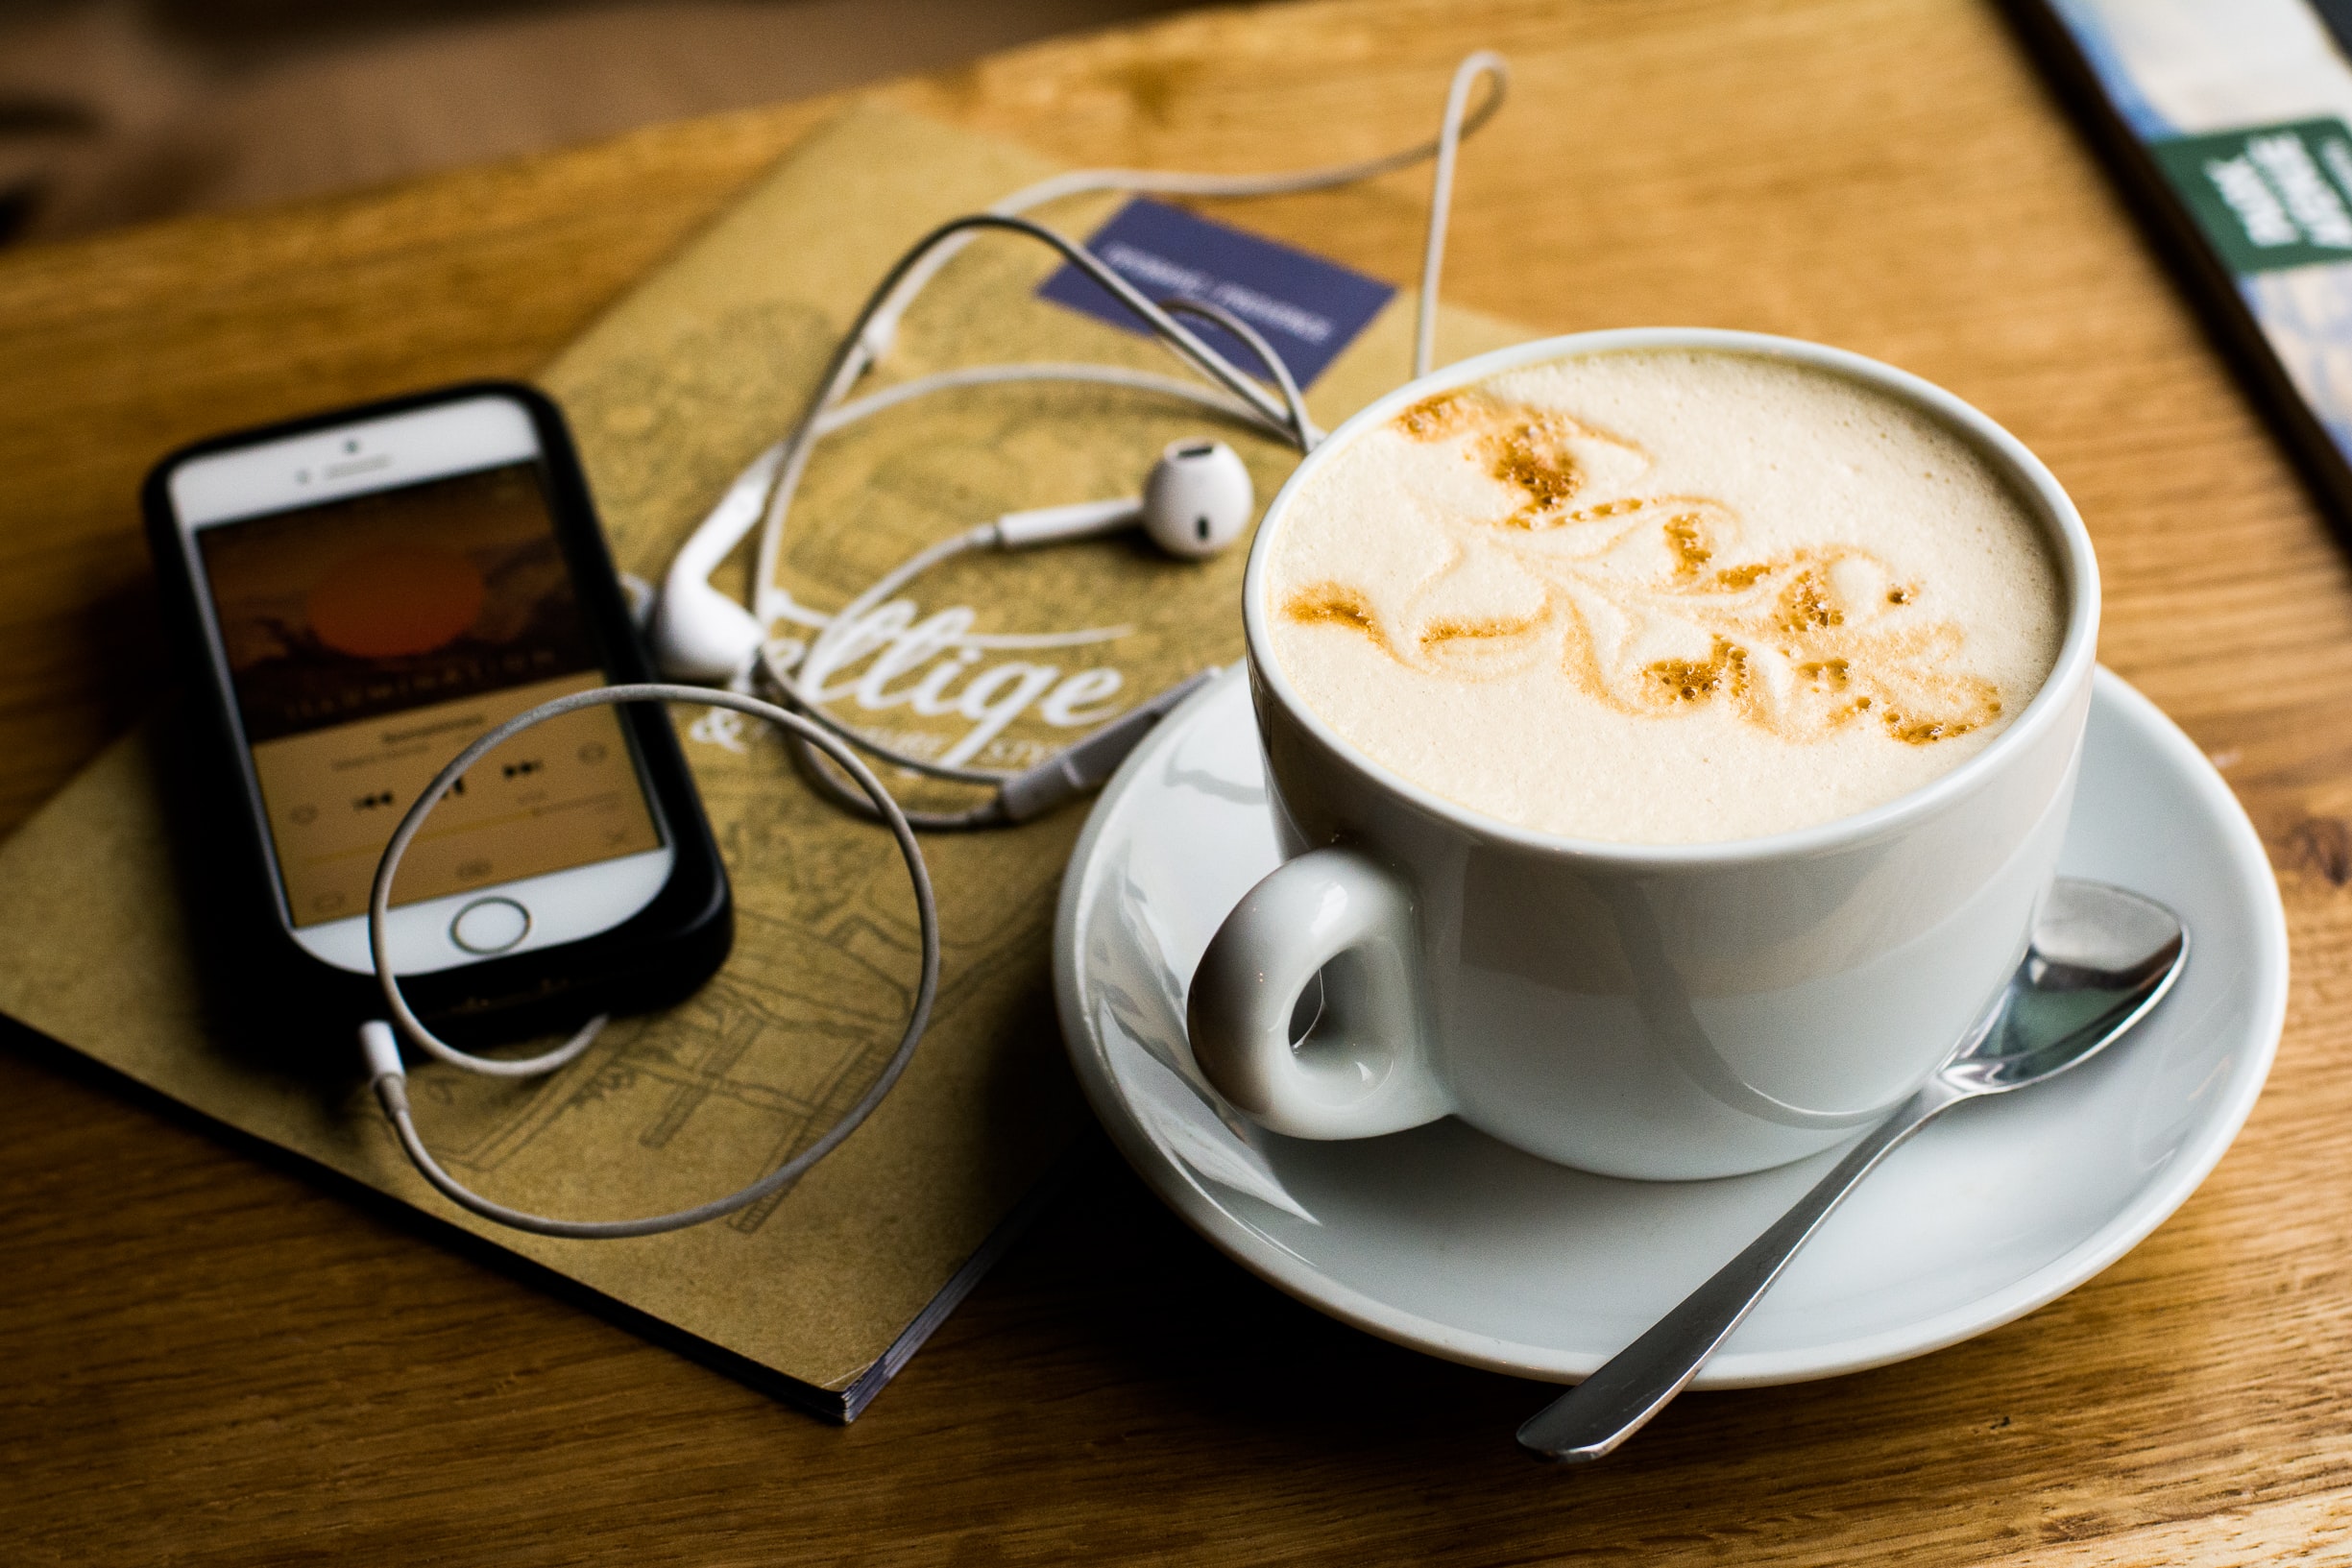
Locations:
(1364, 1069)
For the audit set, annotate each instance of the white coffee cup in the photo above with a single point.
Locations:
(1658, 1011)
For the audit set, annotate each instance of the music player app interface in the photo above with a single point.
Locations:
(369, 640)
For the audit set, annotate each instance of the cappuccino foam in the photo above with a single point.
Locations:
(1663, 596)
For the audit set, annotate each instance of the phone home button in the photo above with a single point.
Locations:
(490, 926)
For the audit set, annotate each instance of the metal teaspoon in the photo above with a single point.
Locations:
(2098, 960)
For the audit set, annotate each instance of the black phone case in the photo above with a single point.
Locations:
(269, 985)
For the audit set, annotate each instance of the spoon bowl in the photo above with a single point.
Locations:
(2098, 961)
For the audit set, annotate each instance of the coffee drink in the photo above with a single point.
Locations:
(1545, 649)
(1663, 596)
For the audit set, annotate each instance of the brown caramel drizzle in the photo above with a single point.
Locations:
(1334, 604)
(1927, 732)
(1687, 542)
(1846, 657)
(1434, 419)
(1827, 674)
(1481, 629)
(1530, 449)
(1724, 670)
(1808, 603)
(1535, 457)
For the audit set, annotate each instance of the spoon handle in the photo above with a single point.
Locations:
(1592, 1418)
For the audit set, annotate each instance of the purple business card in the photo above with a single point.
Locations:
(1306, 307)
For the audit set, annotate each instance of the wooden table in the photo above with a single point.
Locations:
(208, 1360)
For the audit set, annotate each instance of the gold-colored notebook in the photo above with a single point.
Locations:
(821, 1292)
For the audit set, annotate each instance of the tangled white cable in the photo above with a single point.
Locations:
(390, 1079)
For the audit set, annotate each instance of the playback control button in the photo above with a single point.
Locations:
(490, 926)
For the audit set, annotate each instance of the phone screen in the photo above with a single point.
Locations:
(369, 640)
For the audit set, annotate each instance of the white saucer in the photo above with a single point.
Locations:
(1445, 1240)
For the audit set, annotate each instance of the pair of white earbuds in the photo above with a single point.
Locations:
(1196, 501)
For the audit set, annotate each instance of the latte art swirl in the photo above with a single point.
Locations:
(1799, 644)
(1764, 589)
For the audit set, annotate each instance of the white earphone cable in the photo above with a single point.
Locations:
(845, 623)
(389, 1079)
(1213, 399)
(1486, 63)
(1303, 433)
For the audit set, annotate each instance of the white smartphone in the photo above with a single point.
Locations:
(365, 593)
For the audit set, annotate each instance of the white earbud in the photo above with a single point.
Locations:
(699, 633)
(1196, 501)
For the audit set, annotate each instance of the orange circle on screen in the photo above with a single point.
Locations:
(394, 600)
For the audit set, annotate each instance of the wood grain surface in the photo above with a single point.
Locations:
(204, 1359)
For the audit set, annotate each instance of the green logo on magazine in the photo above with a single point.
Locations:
(2268, 196)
